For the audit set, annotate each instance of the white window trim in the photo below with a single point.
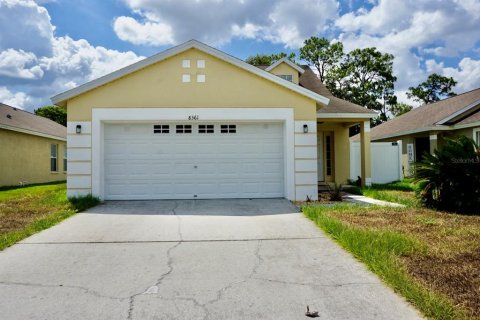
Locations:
(186, 78)
(100, 116)
(201, 78)
(475, 131)
(283, 76)
(186, 63)
(65, 159)
(201, 64)
(52, 157)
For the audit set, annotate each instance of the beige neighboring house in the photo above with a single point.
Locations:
(33, 148)
(193, 122)
(425, 128)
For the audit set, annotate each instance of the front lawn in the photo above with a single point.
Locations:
(431, 258)
(28, 210)
(400, 192)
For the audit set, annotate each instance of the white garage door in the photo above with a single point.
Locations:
(193, 161)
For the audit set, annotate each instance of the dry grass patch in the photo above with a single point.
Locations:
(450, 263)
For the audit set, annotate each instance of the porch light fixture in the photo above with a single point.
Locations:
(305, 128)
(78, 129)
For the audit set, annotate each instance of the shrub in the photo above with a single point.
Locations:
(82, 203)
(336, 193)
(449, 179)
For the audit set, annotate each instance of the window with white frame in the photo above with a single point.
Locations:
(183, 128)
(186, 78)
(186, 63)
(200, 64)
(206, 128)
(228, 128)
(287, 77)
(53, 157)
(64, 158)
(476, 135)
(161, 128)
(200, 78)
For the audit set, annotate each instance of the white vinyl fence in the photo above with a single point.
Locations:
(386, 161)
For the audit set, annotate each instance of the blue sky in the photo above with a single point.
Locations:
(59, 44)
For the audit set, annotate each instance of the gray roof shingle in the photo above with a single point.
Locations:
(427, 115)
(20, 119)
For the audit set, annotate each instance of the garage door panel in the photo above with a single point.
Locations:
(142, 165)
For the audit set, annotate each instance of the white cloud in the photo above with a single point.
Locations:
(19, 99)
(25, 26)
(149, 33)
(467, 73)
(287, 22)
(35, 64)
(410, 29)
(19, 64)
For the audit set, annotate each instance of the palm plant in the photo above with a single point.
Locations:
(449, 179)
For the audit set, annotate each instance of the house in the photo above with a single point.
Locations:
(193, 122)
(425, 128)
(33, 149)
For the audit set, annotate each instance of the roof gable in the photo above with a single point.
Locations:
(61, 98)
(287, 62)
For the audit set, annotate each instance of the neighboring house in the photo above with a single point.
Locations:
(193, 123)
(425, 128)
(33, 148)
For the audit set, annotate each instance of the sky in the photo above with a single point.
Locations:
(50, 46)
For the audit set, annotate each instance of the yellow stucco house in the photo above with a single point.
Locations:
(193, 122)
(425, 128)
(33, 149)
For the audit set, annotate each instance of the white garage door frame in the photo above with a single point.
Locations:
(100, 116)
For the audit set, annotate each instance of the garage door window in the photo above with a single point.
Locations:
(161, 128)
(206, 128)
(184, 128)
(228, 128)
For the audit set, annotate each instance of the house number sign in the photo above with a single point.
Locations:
(193, 117)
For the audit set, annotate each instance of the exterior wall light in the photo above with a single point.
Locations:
(305, 128)
(78, 129)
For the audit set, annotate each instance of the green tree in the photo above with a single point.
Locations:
(269, 59)
(322, 54)
(365, 77)
(54, 113)
(400, 108)
(435, 88)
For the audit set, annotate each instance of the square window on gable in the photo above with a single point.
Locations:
(200, 78)
(186, 63)
(200, 64)
(186, 78)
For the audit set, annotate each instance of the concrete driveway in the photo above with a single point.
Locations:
(203, 259)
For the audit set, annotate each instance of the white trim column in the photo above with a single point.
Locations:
(365, 153)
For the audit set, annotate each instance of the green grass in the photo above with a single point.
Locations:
(27, 210)
(402, 192)
(380, 250)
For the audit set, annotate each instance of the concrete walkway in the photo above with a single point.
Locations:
(222, 259)
(370, 201)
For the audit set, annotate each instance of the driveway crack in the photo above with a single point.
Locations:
(40, 285)
(154, 288)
